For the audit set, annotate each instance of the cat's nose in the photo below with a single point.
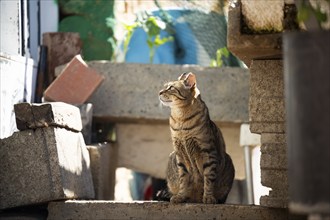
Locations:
(161, 91)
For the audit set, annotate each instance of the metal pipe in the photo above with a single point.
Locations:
(248, 173)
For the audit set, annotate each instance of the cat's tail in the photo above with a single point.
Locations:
(163, 195)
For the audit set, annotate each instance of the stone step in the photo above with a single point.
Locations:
(75, 209)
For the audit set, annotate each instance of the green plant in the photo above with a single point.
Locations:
(221, 54)
(152, 26)
(312, 16)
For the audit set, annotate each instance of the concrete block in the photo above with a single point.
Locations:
(55, 114)
(269, 127)
(262, 16)
(103, 159)
(75, 84)
(267, 109)
(275, 179)
(248, 47)
(277, 202)
(273, 138)
(266, 79)
(61, 48)
(161, 211)
(276, 161)
(130, 91)
(43, 165)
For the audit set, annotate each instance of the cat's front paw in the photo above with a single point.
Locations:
(209, 199)
(178, 199)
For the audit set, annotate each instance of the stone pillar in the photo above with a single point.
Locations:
(267, 117)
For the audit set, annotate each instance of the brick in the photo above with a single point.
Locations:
(133, 96)
(75, 84)
(43, 165)
(61, 48)
(248, 47)
(103, 159)
(161, 211)
(55, 114)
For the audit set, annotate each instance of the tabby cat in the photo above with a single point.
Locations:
(199, 169)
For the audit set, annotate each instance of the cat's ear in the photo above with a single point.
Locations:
(189, 79)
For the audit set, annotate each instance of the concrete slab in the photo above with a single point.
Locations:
(146, 148)
(43, 165)
(54, 114)
(248, 47)
(161, 211)
(130, 91)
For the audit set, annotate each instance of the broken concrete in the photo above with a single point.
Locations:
(224, 90)
(43, 165)
(161, 211)
(54, 114)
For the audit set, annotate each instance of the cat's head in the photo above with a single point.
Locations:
(180, 92)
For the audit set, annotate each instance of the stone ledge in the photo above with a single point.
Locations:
(161, 211)
(249, 47)
(224, 90)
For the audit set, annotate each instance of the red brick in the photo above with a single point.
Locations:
(61, 48)
(75, 84)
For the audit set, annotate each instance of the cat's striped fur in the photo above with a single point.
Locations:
(199, 169)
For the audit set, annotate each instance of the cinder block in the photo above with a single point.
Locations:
(276, 161)
(267, 109)
(61, 47)
(275, 179)
(268, 127)
(273, 138)
(277, 202)
(266, 78)
(103, 159)
(224, 90)
(75, 84)
(55, 114)
(43, 165)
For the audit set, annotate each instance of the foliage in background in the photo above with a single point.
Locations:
(152, 26)
(221, 54)
(311, 16)
(89, 19)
